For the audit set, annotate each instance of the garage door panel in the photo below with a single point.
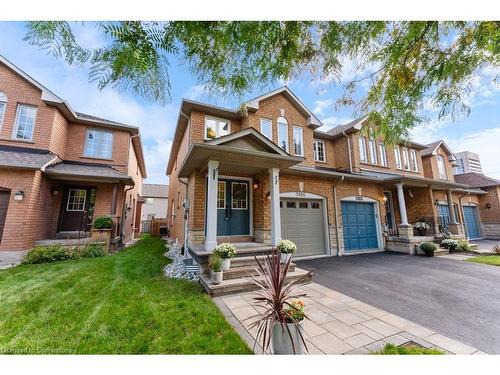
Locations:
(359, 226)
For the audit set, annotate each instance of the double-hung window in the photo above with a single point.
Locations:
(362, 150)
(413, 158)
(397, 157)
(3, 105)
(319, 150)
(25, 122)
(216, 127)
(283, 133)
(406, 161)
(441, 167)
(98, 144)
(266, 128)
(383, 154)
(298, 147)
(373, 151)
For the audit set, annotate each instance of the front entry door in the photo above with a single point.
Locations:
(77, 209)
(233, 208)
(4, 205)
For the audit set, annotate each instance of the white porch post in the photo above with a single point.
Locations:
(213, 177)
(453, 219)
(402, 204)
(274, 184)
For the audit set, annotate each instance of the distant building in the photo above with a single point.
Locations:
(156, 201)
(467, 162)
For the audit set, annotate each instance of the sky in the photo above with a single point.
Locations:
(479, 132)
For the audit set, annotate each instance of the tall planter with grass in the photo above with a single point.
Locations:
(225, 251)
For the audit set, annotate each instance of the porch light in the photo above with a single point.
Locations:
(488, 205)
(384, 198)
(19, 195)
(268, 196)
(54, 191)
(256, 185)
(436, 202)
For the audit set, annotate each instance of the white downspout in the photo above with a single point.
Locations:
(335, 207)
(349, 150)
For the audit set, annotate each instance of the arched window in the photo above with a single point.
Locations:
(283, 133)
(3, 105)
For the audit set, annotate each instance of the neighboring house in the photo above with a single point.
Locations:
(155, 201)
(265, 172)
(59, 169)
(467, 162)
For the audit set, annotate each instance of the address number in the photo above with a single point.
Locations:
(300, 194)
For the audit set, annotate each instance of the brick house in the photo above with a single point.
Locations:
(59, 169)
(265, 172)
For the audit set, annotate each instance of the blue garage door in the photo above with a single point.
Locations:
(471, 222)
(360, 230)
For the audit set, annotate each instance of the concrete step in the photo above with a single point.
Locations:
(246, 271)
(252, 251)
(243, 261)
(242, 285)
(441, 251)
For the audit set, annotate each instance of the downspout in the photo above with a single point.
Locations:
(186, 201)
(349, 151)
(335, 207)
(122, 224)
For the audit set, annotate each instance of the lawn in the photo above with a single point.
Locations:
(493, 260)
(390, 349)
(116, 304)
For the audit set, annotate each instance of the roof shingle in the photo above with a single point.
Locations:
(476, 180)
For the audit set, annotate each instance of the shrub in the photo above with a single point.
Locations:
(428, 248)
(421, 226)
(496, 249)
(391, 349)
(103, 222)
(225, 250)
(451, 245)
(93, 250)
(215, 263)
(464, 246)
(46, 254)
(287, 247)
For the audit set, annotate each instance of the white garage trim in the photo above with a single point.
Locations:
(378, 224)
(326, 230)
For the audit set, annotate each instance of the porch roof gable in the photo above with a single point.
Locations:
(87, 172)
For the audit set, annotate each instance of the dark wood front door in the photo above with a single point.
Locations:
(77, 209)
(4, 204)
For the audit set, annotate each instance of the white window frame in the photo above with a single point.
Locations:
(363, 157)
(441, 167)
(221, 183)
(246, 195)
(85, 155)
(397, 157)
(270, 122)
(218, 121)
(316, 152)
(383, 154)
(16, 122)
(413, 160)
(372, 146)
(406, 159)
(3, 100)
(300, 132)
(283, 127)
(84, 200)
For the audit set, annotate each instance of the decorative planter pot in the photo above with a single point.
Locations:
(281, 342)
(226, 264)
(284, 257)
(421, 232)
(216, 277)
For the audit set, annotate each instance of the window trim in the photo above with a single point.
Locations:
(445, 175)
(397, 156)
(280, 126)
(315, 149)
(84, 200)
(372, 148)
(223, 183)
(413, 160)
(294, 127)
(246, 196)
(406, 160)
(383, 155)
(363, 156)
(263, 119)
(16, 122)
(217, 119)
(87, 137)
(2, 116)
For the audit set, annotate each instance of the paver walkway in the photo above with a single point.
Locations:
(339, 324)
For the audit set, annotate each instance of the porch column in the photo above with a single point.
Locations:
(402, 204)
(274, 185)
(453, 219)
(213, 176)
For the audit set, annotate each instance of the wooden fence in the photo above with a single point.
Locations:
(157, 227)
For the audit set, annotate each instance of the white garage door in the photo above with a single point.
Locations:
(302, 221)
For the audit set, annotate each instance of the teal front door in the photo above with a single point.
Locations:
(233, 208)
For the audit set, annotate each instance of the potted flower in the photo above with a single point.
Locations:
(428, 248)
(279, 325)
(421, 228)
(451, 245)
(226, 251)
(286, 249)
(215, 265)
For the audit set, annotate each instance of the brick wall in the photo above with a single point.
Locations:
(492, 197)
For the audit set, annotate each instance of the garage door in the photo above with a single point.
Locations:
(302, 221)
(471, 222)
(360, 229)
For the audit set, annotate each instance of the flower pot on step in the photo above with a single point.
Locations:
(284, 257)
(281, 341)
(216, 277)
(226, 264)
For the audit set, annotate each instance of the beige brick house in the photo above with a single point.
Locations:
(59, 169)
(265, 172)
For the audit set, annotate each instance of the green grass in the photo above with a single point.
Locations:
(493, 260)
(116, 304)
(390, 349)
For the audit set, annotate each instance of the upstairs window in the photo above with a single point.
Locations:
(362, 149)
(406, 161)
(373, 151)
(414, 163)
(3, 105)
(441, 167)
(25, 122)
(283, 133)
(99, 144)
(298, 148)
(266, 128)
(216, 127)
(383, 155)
(397, 157)
(319, 150)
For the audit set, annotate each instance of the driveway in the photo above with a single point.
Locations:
(458, 299)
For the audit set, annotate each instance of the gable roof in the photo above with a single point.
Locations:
(476, 180)
(432, 147)
(354, 125)
(313, 121)
(155, 191)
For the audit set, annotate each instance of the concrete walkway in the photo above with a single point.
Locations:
(339, 324)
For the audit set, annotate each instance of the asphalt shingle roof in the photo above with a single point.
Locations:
(85, 170)
(476, 180)
(18, 157)
(155, 191)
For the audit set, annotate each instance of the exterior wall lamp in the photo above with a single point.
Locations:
(268, 196)
(488, 206)
(256, 184)
(19, 195)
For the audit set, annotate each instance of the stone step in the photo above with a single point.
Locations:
(441, 251)
(244, 261)
(245, 271)
(242, 285)
(252, 251)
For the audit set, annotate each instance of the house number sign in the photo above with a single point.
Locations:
(300, 194)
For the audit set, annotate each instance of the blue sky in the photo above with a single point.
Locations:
(479, 132)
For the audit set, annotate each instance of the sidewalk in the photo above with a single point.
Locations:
(339, 324)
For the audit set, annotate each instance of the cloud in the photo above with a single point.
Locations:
(331, 122)
(320, 105)
(194, 92)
